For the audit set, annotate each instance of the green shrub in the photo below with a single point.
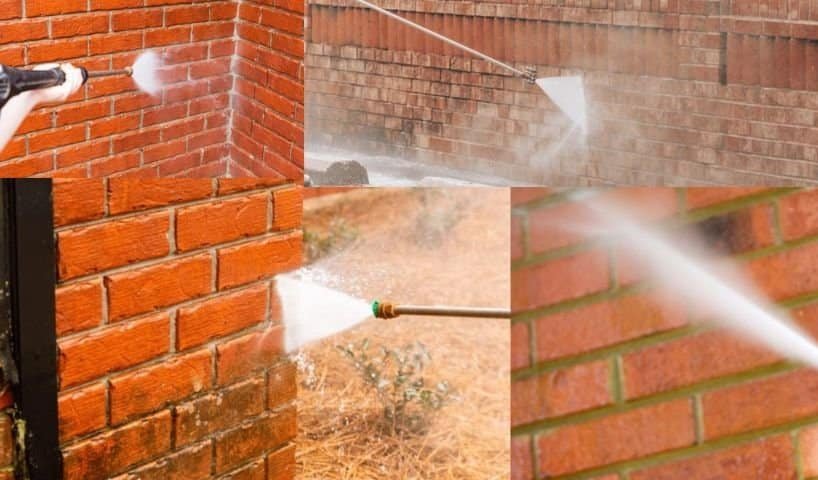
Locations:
(396, 378)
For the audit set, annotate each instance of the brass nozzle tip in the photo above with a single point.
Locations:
(129, 71)
(385, 310)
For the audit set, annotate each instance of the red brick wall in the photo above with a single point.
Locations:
(169, 333)
(110, 128)
(658, 111)
(268, 120)
(610, 377)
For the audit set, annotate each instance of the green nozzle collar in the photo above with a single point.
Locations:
(375, 306)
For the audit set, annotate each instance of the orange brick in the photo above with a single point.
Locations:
(248, 355)
(146, 289)
(82, 411)
(689, 360)
(150, 388)
(248, 441)
(258, 259)
(281, 464)
(128, 195)
(559, 280)
(281, 384)
(112, 244)
(78, 200)
(606, 323)
(766, 459)
(78, 307)
(114, 452)
(737, 409)
(192, 462)
(560, 392)
(287, 209)
(699, 197)
(786, 274)
(220, 222)
(798, 214)
(521, 464)
(233, 185)
(113, 348)
(219, 411)
(615, 438)
(202, 322)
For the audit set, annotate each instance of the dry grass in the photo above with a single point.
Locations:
(444, 246)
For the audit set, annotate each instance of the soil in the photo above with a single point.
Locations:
(414, 246)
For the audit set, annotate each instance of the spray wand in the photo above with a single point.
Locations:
(528, 74)
(14, 81)
(387, 310)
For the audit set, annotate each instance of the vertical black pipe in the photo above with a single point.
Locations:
(32, 278)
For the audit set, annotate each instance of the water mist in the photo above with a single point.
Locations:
(718, 294)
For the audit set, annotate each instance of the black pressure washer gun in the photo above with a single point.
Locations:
(14, 81)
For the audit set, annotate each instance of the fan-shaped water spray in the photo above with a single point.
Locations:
(311, 312)
(145, 73)
(567, 93)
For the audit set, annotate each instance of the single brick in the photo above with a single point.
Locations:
(220, 316)
(82, 411)
(522, 467)
(786, 274)
(281, 384)
(114, 452)
(87, 250)
(150, 388)
(6, 440)
(134, 292)
(258, 259)
(558, 280)
(78, 307)
(251, 440)
(520, 346)
(798, 215)
(248, 355)
(606, 323)
(699, 197)
(192, 462)
(281, 464)
(128, 195)
(683, 362)
(287, 209)
(766, 459)
(616, 438)
(560, 392)
(221, 221)
(113, 348)
(760, 403)
(78, 200)
(218, 411)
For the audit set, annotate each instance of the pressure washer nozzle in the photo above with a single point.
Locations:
(530, 74)
(384, 310)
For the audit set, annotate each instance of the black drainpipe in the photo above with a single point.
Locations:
(28, 343)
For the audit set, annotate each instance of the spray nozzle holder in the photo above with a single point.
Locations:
(385, 310)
